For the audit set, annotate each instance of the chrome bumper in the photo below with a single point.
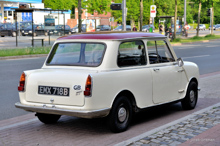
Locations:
(58, 111)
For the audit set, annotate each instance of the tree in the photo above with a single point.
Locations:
(175, 17)
(59, 4)
(98, 6)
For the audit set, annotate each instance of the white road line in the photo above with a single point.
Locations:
(196, 56)
(18, 124)
(212, 46)
(123, 143)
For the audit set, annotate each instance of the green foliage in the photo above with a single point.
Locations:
(99, 6)
(59, 4)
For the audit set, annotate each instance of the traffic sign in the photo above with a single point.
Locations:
(153, 10)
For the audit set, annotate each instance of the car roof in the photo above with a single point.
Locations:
(111, 35)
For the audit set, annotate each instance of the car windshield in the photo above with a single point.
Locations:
(30, 26)
(77, 54)
(119, 27)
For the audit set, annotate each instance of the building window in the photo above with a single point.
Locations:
(9, 13)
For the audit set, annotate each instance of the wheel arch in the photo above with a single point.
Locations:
(130, 96)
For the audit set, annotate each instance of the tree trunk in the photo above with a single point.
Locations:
(175, 17)
(141, 14)
(197, 31)
(79, 16)
(212, 19)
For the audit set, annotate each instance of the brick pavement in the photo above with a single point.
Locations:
(28, 131)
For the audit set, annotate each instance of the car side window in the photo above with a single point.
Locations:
(131, 53)
(159, 52)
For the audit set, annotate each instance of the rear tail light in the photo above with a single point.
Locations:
(21, 82)
(88, 87)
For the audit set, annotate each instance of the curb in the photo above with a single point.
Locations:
(129, 141)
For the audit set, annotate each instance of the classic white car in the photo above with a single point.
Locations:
(108, 74)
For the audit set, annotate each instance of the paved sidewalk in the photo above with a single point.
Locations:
(201, 129)
(198, 129)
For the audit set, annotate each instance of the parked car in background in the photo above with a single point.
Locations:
(215, 27)
(38, 29)
(103, 28)
(147, 27)
(7, 29)
(108, 74)
(76, 30)
(119, 28)
(59, 30)
(201, 27)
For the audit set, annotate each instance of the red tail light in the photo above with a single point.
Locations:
(88, 87)
(21, 82)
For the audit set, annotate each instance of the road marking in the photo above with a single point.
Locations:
(196, 56)
(212, 46)
(18, 124)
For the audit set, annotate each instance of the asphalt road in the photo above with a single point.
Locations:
(206, 55)
(8, 42)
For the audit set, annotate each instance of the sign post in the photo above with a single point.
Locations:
(153, 12)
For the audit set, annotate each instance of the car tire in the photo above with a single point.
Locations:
(190, 100)
(120, 115)
(48, 118)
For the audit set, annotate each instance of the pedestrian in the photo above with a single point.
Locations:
(160, 29)
(186, 28)
(134, 28)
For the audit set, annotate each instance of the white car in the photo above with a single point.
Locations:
(108, 74)
(201, 27)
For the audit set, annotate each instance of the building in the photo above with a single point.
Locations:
(7, 12)
(96, 19)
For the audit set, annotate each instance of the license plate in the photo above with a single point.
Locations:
(48, 90)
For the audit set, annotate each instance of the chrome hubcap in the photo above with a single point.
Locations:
(122, 114)
(192, 95)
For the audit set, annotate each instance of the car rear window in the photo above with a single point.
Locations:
(77, 54)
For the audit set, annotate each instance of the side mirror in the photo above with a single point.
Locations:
(180, 62)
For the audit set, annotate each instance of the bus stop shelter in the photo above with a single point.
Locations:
(167, 21)
(31, 10)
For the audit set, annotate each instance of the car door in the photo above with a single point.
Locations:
(168, 78)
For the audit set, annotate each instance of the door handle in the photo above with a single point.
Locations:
(156, 69)
(181, 70)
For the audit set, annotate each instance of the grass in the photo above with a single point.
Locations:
(46, 50)
(195, 39)
(24, 51)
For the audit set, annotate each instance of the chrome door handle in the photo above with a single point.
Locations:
(181, 70)
(156, 69)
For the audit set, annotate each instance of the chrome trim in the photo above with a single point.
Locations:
(59, 111)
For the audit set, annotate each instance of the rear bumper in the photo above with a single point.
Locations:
(58, 111)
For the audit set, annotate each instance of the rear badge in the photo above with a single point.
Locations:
(77, 87)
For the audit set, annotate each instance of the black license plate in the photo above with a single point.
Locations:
(48, 90)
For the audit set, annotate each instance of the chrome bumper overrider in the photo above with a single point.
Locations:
(58, 111)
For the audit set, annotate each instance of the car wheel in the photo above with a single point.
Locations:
(2, 36)
(46, 33)
(48, 118)
(120, 115)
(190, 100)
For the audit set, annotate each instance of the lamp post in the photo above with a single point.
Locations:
(184, 12)
(124, 15)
